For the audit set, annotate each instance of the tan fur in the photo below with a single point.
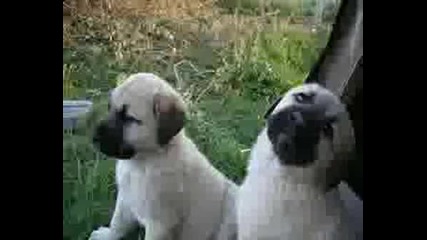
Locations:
(172, 190)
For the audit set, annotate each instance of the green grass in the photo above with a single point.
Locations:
(228, 89)
(252, 7)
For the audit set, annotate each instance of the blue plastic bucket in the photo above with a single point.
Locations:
(72, 111)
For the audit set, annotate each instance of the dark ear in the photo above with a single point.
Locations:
(170, 116)
(272, 107)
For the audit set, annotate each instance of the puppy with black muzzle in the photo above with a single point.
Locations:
(164, 182)
(291, 169)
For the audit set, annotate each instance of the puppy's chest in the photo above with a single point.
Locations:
(290, 211)
(147, 188)
(132, 184)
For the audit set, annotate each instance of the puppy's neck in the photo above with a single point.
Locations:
(264, 163)
(262, 160)
(163, 152)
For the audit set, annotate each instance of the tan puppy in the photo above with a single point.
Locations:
(284, 196)
(164, 182)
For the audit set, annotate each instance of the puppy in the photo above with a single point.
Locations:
(164, 182)
(291, 168)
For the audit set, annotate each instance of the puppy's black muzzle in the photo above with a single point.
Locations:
(108, 138)
(295, 133)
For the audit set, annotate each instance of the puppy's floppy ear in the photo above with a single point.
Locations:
(335, 112)
(170, 115)
(272, 107)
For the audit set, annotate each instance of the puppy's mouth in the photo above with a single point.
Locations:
(110, 143)
(120, 151)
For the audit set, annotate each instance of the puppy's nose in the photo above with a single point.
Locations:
(99, 132)
(283, 141)
(297, 118)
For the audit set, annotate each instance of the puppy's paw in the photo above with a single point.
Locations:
(103, 233)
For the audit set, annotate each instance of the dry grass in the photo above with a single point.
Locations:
(187, 18)
(178, 9)
(166, 33)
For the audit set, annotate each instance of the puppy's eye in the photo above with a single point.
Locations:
(303, 97)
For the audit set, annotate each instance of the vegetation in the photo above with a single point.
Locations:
(228, 64)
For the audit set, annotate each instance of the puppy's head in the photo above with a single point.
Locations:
(300, 126)
(145, 114)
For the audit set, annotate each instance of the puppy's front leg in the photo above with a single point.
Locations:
(121, 223)
(159, 231)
